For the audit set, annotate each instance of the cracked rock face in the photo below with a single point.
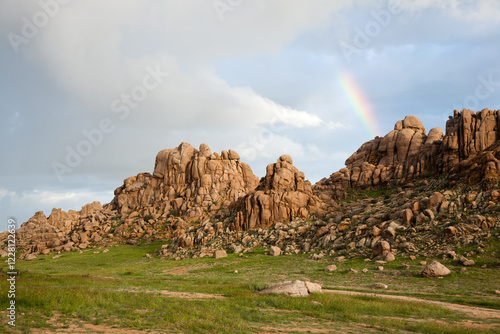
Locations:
(281, 195)
(192, 183)
(408, 152)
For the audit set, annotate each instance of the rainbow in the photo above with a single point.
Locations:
(359, 104)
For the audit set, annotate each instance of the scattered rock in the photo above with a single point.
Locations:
(381, 249)
(468, 263)
(275, 251)
(435, 269)
(218, 254)
(379, 286)
(389, 257)
(331, 268)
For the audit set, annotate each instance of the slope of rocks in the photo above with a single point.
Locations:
(416, 221)
(408, 152)
(281, 196)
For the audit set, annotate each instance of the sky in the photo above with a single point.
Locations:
(91, 91)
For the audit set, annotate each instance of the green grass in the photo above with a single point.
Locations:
(121, 288)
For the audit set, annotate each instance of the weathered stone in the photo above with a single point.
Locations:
(288, 288)
(331, 268)
(313, 287)
(468, 263)
(389, 257)
(435, 269)
(449, 232)
(281, 195)
(381, 249)
(407, 216)
(407, 152)
(218, 254)
(435, 200)
(274, 251)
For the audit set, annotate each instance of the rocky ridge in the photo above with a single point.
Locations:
(200, 202)
(470, 146)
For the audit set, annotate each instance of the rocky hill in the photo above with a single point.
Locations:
(406, 193)
(469, 147)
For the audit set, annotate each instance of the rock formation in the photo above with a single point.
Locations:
(202, 202)
(187, 185)
(281, 195)
(408, 152)
(188, 182)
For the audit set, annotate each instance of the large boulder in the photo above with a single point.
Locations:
(435, 269)
(293, 289)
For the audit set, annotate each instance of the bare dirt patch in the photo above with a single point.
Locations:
(478, 312)
(319, 327)
(78, 326)
(177, 294)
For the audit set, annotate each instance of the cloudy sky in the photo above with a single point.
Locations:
(91, 90)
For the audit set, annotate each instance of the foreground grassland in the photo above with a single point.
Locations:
(122, 291)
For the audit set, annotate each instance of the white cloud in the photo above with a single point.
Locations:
(5, 193)
(92, 52)
(23, 205)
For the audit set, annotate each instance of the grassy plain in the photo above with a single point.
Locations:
(122, 291)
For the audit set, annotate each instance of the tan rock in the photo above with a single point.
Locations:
(413, 122)
(282, 195)
(313, 287)
(435, 269)
(331, 268)
(407, 217)
(218, 254)
(381, 249)
(435, 200)
(407, 153)
(288, 288)
(274, 251)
